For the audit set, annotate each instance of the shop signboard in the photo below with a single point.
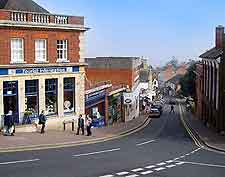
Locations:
(128, 98)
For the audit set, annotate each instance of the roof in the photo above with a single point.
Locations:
(22, 5)
(213, 53)
(175, 79)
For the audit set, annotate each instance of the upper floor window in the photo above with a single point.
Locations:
(62, 46)
(40, 50)
(17, 50)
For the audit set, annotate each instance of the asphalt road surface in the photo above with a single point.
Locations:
(161, 149)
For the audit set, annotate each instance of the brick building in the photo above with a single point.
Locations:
(199, 89)
(213, 62)
(122, 72)
(41, 62)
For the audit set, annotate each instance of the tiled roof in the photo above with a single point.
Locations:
(22, 5)
(213, 53)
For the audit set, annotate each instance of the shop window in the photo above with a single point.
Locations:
(69, 95)
(17, 52)
(62, 50)
(31, 97)
(51, 96)
(10, 98)
(40, 50)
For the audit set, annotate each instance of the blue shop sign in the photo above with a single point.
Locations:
(40, 70)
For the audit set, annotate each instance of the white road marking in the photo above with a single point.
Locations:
(146, 172)
(169, 161)
(162, 163)
(203, 164)
(151, 166)
(132, 175)
(122, 173)
(140, 144)
(98, 152)
(107, 176)
(19, 161)
(179, 163)
(159, 169)
(137, 169)
(170, 166)
(188, 154)
(182, 156)
(176, 158)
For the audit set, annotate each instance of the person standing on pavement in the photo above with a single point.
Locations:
(9, 124)
(42, 121)
(88, 124)
(80, 125)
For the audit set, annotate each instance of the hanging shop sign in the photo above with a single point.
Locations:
(128, 98)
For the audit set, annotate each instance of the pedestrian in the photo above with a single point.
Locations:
(9, 124)
(172, 109)
(42, 121)
(80, 125)
(88, 124)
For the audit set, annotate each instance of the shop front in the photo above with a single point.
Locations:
(115, 108)
(95, 107)
(58, 90)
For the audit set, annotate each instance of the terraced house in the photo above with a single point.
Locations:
(213, 89)
(41, 62)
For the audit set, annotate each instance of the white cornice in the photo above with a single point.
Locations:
(9, 23)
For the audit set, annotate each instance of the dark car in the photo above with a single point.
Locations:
(159, 107)
(154, 113)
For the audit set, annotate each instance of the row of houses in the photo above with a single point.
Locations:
(210, 84)
(43, 67)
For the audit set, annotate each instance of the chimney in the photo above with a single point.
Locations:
(219, 36)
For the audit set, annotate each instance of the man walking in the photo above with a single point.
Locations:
(80, 125)
(172, 109)
(42, 121)
(88, 123)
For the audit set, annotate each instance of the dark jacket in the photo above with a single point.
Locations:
(42, 119)
(80, 122)
(9, 120)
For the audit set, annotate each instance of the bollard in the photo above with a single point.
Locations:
(64, 126)
(73, 126)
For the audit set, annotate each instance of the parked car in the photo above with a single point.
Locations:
(154, 113)
(159, 107)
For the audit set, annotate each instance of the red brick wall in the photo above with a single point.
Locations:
(29, 35)
(116, 76)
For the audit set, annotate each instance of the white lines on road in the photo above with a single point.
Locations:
(159, 169)
(150, 166)
(19, 161)
(179, 163)
(202, 164)
(97, 152)
(146, 172)
(107, 176)
(137, 169)
(169, 161)
(132, 175)
(160, 164)
(122, 173)
(146, 142)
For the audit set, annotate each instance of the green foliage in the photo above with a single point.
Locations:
(187, 82)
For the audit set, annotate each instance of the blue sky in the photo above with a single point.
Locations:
(157, 29)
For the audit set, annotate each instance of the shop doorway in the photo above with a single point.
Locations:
(10, 98)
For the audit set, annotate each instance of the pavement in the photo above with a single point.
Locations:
(208, 136)
(164, 148)
(52, 139)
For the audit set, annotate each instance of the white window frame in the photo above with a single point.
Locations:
(16, 51)
(64, 51)
(39, 52)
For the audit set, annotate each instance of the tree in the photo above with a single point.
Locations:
(187, 82)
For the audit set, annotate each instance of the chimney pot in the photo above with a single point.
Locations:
(219, 36)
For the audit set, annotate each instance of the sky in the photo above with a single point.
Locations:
(156, 29)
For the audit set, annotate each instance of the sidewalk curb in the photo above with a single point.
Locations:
(201, 143)
(140, 126)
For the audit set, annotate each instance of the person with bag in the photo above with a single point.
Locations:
(88, 124)
(42, 121)
(80, 125)
(9, 124)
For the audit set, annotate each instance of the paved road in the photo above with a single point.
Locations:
(162, 149)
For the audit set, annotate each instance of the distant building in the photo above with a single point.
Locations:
(120, 71)
(213, 62)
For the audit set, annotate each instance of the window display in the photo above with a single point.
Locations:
(51, 96)
(69, 95)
